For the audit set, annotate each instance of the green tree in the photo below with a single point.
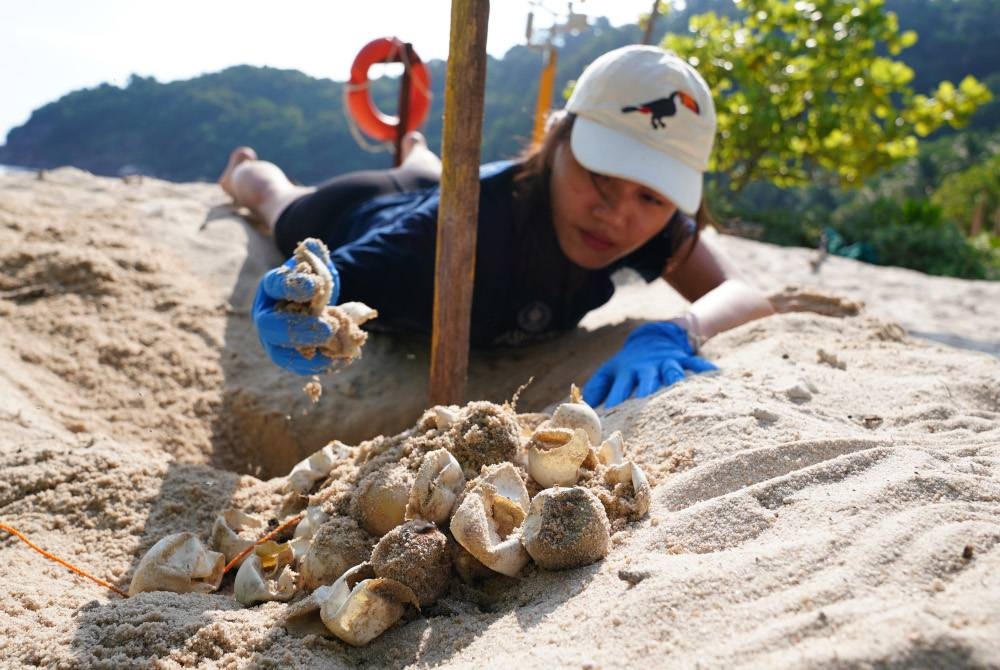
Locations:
(809, 87)
(972, 197)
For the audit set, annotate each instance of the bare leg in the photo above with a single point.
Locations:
(259, 186)
(266, 191)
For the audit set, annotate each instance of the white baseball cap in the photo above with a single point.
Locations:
(645, 115)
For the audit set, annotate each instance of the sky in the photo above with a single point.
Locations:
(51, 47)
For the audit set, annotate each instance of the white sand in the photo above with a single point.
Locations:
(810, 509)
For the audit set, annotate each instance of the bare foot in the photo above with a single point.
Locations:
(414, 150)
(411, 140)
(239, 155)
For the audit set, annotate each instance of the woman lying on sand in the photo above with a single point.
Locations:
(616, 182)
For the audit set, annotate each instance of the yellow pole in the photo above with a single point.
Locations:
(465, 83)
(546, 83)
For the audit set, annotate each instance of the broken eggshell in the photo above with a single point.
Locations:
(555, 455)
(436, 487)
(253, 586)
(359, 612)
(178, 563)
(312, 602)
(445, 416)
(508, 482)
(578, 414)
(566, 528)
(313, 518)
(358, 312)
(348, 338)
(307, 472)
(487, 520)
(612, 451)
(225, 532)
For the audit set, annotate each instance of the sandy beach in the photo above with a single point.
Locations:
(829, 498)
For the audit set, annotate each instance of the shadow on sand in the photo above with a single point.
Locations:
(265, 424)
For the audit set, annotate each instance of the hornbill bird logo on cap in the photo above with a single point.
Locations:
(662, 107)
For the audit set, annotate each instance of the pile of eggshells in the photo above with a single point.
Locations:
(468, 492)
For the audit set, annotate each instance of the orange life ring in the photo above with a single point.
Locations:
(368, 117)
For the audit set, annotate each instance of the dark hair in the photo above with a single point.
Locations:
(533, 182)
(534, 177)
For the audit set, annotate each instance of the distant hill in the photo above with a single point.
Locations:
(183, 130)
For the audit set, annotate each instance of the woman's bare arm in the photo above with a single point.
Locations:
(720, 298)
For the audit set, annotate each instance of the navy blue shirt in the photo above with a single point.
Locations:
(525, 288)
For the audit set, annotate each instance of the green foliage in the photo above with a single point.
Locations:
(972, 197)
(915, 234)
(803, 87)
(877, 215)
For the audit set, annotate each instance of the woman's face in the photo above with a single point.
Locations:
(599, 219)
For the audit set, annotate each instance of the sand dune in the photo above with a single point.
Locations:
(830, 498)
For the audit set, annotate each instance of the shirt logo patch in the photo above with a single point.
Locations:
(534, 317)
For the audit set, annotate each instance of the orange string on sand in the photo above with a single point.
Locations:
(71, 568)
(240, 556)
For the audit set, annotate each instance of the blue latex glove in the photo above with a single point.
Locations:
(654, 355)
(281, 332)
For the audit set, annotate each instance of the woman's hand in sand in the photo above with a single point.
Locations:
(286, 330)
(653, 356)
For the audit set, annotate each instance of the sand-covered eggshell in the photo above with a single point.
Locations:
(415, 554)
(337, 545)
(348, 338)
(484, 433)
(630, 473)
(555, 455)
(381, 499)
(566, 528)
(313, 258)
(178, 563)
(344, 321)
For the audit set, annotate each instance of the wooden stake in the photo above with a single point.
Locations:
(403, 111)
(458, 213)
